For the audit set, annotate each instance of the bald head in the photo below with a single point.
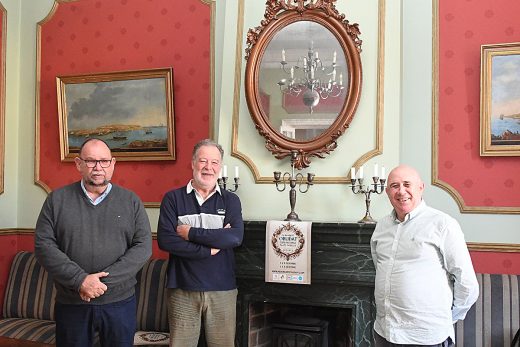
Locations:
(95, 164)
(404, 189)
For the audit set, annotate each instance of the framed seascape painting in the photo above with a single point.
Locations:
(500, 100)
(132, 111)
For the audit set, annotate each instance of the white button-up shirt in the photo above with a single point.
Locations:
(424, 277)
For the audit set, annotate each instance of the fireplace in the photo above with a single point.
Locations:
(274, 324)
(301, 332)
(340, 296)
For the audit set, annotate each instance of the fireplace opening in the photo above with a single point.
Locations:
(289, 325)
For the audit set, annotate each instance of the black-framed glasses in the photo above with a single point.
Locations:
(91, 163)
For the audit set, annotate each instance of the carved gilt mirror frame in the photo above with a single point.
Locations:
(280, 14)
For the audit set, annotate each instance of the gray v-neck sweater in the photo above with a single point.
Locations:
(74, 238)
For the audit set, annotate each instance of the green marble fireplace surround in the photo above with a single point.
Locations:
(342, 277)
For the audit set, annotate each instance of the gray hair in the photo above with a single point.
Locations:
(207, 142)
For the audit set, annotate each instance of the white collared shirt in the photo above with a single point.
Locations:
(200, 199)
(99, 198)
(424, 277)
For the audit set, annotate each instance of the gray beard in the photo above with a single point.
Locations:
(91, 183)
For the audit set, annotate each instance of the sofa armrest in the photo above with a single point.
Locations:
(495, 317)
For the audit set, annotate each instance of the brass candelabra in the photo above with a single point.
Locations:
(293, 180)
(223, 178)
(223, 182)
(378, 186)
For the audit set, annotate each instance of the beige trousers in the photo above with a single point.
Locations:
(187, 310)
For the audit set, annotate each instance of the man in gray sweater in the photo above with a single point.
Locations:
(93, 237)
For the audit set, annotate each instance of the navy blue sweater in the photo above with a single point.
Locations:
(191, 265)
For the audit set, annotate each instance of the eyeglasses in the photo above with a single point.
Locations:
(91, 163)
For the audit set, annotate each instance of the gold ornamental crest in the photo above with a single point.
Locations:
(288, 241)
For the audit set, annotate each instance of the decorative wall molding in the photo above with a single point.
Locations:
(30, 231)
(472, 246)
(494, 247)
(89, 36)
(464, 205)
(17, 231)
(3, 46)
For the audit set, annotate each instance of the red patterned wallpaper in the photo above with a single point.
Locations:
(92, 36)
(465, 25)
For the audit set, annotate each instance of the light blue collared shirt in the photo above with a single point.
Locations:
(99, 198)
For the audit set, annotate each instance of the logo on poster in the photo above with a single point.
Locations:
(288, 241)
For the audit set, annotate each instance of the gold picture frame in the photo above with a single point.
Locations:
(132, 111)
(500, 100)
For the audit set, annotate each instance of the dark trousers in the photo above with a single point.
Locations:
(115, 323)
(381, 342)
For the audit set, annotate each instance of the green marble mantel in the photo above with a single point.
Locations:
(342, 275)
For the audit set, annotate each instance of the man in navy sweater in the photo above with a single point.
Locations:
(199, 225)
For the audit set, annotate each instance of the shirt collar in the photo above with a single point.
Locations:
(99, 198)
(412, 214)
(200, 199)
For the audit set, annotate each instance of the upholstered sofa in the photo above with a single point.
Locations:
(495, 317)
(28, 309)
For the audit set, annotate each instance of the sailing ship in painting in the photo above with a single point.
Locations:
(123, 137)
(505, 130)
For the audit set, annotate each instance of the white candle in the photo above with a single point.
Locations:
(383, 173)
(283, 54)
(353, 173)
(225, 171)
(360, 172)
(304, 62)
(376, 170)
(334, 75)
(340, 79)
(292, 71)
(312, 73)
(220, 173)
(334, 58)
(317, 56)
(236, 171)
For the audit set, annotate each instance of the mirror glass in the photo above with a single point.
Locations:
(303, 80)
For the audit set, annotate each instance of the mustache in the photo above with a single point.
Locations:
(94, 184)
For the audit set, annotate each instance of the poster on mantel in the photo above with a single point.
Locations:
(288, 252)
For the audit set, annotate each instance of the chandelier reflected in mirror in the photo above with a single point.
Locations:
(311, 77)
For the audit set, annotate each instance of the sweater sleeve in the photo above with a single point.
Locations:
(167, 237)
(61, 268)
(138, 252)
(223, 238)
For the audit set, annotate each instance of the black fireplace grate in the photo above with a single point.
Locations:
(306, 333)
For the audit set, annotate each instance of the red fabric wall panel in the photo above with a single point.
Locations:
(464, 26)
(93, 36)
(495, 262)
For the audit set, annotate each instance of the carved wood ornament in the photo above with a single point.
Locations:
(278, 15)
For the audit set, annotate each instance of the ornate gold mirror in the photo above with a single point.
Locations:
(303, 77)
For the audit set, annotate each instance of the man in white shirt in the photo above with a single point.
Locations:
(425, 280)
